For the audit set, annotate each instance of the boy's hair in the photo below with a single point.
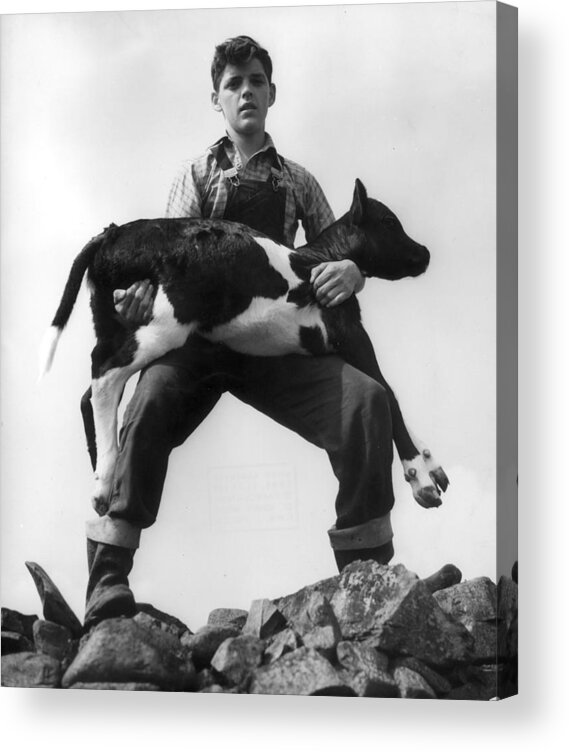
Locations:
(238, 51)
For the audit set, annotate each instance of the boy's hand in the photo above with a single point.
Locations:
(336, 281)
(134, 305)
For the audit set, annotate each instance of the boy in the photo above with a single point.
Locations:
(243, 178)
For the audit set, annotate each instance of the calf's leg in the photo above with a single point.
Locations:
(422, 472)
(89, 426)
(106, 395)
(112, 366)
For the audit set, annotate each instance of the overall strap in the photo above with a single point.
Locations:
(224, 163)
(277, 169)
(231, 174)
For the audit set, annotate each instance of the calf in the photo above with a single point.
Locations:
(233, 285)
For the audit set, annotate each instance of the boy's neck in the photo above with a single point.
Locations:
(248, 144)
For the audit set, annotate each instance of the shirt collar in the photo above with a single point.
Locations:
(268, 147)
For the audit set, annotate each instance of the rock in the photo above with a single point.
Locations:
(302, 672)
(14, 621)
(289, 605)
(438, 683)
(30, 670)
(363, 686)
(444, 578)
(228, 617)
(507, 600)
(412, 685)
(123, 651)
(477, 683)
(392, 609)
(218, 689)
(55, 607)
(508, 678)
(470, 601)
(507, 618)
(470, 691)
(508, 634)
(474, 604)
(373, 631)
(236, 658)
(485, 636)
(14, 642)
(366, 670)
(205, 642)
(53, 639)
(165, 621)
(205, 678)
(316, 624)
(354, 656)
(264, 619)
(283, 642)
(118, 686)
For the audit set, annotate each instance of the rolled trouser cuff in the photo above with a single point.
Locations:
(113, 532)
(371, 534)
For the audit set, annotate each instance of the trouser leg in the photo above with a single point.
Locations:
(170, 401)
(341, 410)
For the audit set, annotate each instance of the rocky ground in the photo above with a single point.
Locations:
(373, 631)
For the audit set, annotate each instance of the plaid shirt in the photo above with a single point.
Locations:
(200, 190)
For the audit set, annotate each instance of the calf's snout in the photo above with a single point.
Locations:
(420, 258)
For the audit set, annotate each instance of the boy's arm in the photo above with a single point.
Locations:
(333, 281)
(336, 281)
(184, 199)
(134, 305)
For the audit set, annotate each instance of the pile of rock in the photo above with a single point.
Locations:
(373, 631)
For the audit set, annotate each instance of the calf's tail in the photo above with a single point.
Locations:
(70, 292)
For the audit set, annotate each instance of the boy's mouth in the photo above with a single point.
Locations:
(246, 107)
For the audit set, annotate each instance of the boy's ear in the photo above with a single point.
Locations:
(358, 208)
(215, 101)
(272, 94)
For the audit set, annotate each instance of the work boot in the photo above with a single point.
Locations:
(380, 554)
(108, 593)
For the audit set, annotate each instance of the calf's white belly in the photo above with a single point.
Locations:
(268, 327)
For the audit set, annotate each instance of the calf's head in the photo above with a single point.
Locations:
(383, 249)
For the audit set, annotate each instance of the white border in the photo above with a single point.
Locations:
(88, 720)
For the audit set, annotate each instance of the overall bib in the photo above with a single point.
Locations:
(259, 204)
(326, 401)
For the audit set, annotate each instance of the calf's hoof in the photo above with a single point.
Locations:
(100, 504)
(428, 497)
(101, 498)
(440, 478)
(437, 474)
(425, 493)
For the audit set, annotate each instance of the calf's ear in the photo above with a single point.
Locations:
(359, 202)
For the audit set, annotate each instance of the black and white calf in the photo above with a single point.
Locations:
(233, 285)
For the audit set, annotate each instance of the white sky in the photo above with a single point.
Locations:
(98, 110)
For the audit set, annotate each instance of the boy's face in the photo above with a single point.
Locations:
(244, 97)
